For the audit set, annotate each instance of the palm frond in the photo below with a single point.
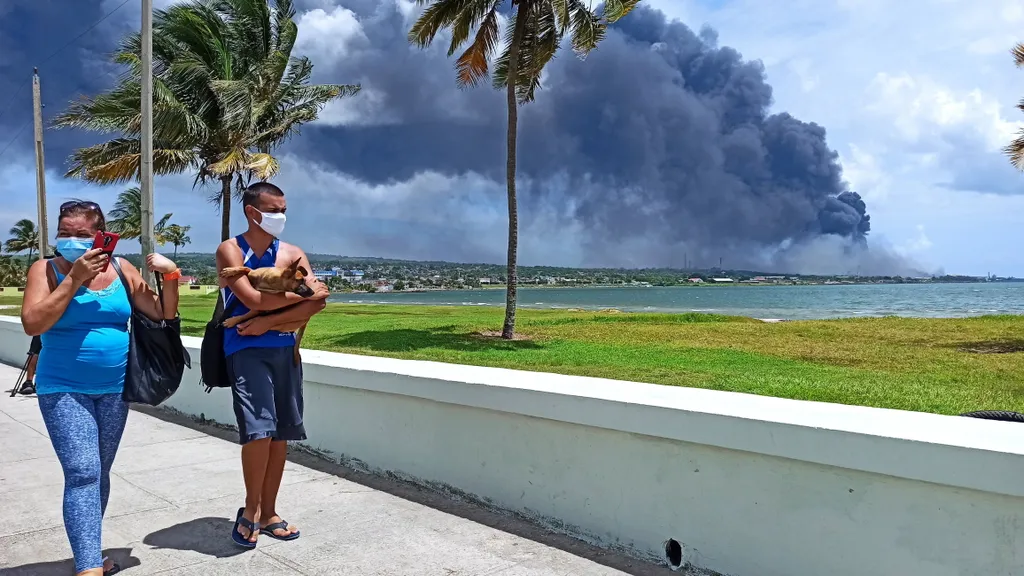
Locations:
(117, 161)
(538, 46)
(616, 9)
(262, 166)
(1018, 54)
(1015, 150)
(472, 65)
(587, 28)
(439, 15)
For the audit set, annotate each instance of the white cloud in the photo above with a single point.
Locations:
(917, 244)
(329, 36)
(918, 107)
(366, 108)
(862, 170)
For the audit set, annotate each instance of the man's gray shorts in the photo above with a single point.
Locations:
(267, 393)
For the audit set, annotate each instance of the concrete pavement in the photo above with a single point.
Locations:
(175, 490)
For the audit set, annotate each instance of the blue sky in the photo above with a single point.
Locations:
(917, 98)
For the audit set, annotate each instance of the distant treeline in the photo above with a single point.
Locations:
(411, 274)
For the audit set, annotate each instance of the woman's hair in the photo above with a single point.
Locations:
(76, 207)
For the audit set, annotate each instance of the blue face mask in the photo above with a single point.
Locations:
(73, 248)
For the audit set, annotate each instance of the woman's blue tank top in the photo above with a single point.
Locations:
(233, 341)
(86, 351)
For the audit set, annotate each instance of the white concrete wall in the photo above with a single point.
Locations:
(751, 486)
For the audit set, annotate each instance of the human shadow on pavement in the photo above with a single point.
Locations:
(441, 501)
(121, 556)
(208, 536)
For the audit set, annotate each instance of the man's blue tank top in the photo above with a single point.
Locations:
(233, 341)
(86, 350)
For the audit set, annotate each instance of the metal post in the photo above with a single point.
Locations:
(146, 160)
(37, 110)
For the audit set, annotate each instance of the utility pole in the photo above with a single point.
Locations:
(146, 160)
(37, 112)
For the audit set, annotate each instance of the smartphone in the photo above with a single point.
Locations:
(106, 241)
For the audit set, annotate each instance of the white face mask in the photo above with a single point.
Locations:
(272, 223)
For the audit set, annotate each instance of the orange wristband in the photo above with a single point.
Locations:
(173, 275)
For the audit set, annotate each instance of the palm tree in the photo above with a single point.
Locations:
(24, 236)
(177, 235)
(126, 216)
(11, 272)
(531, 41)
(1015, 149)
(226, 91)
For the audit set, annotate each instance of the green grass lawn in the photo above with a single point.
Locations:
(944, 366)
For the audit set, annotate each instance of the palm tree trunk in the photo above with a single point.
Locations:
(29, 263)
(512, 275)
(225, 207)
(175, 251)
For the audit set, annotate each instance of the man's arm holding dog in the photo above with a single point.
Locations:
(229, 256)
(294, 317)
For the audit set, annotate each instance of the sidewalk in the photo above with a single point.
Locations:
(175, 490)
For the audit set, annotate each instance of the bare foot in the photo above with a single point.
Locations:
(251, 536)
(278, 531)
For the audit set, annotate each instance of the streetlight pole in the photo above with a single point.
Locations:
(146, 160)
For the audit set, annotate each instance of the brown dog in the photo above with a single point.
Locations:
(272, 280)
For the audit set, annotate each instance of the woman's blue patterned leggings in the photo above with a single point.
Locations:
(85, 431)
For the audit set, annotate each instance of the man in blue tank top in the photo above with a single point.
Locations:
(266, 385)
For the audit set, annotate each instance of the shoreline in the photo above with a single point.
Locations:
(653, 311)
(702, 285)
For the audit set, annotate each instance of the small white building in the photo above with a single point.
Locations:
(722, 280)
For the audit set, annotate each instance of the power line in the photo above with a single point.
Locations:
(92, 27)
(16, 134)
(87, 30)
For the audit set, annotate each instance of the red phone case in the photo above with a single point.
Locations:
(106, 241)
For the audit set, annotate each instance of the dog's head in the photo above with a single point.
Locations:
(294, 279)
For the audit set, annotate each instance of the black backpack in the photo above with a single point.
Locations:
(213, 364)
(156, 356)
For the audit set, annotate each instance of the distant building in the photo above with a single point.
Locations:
(188, 280)
(485, 281)
(696, 280)
(723, 280)
(324, 274)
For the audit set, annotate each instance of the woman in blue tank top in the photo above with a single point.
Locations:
(79, 307)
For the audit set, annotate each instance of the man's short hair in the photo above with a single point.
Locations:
(251, 195)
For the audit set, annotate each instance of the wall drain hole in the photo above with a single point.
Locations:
(674, 553)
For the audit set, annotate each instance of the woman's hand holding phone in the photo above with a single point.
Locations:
(88, 266)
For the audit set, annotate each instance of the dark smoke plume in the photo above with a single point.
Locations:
(661, 140)
(658, 150)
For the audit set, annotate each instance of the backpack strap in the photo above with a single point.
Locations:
(225, 311)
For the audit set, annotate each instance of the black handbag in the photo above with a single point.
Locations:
(212, 362)
(156, 357)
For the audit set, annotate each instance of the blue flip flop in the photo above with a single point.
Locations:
(251, 526)
(268, 530)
